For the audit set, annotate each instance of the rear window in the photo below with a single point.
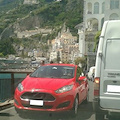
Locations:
(112, 59)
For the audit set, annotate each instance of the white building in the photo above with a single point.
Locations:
(31, 2)
(95, 13)
(62, 46)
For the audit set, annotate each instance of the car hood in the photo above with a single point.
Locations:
(45, 83)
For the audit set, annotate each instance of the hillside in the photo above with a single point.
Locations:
(50, 15)
(47, 14)
(6, 5)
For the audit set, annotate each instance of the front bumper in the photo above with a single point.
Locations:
(62, 102)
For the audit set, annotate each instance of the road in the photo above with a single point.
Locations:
(85, 112)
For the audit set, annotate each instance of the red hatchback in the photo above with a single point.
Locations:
(52, 87)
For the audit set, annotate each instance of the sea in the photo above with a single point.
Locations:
(5, 78)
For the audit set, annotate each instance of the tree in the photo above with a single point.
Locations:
(6, 47)
(81, 61)
(97, 39)
(1, 55)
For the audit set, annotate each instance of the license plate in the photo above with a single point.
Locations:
(36, 102)
(113, 88)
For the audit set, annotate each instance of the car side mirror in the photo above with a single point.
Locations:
(81, 78)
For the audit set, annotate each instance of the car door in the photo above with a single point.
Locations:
(84, 85)
(80, 86)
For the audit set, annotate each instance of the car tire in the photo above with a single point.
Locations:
(75, 107)
(99, 116)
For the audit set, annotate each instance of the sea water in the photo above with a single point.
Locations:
(5, 78)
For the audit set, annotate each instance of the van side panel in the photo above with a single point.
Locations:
(109, 66)
(100, 51)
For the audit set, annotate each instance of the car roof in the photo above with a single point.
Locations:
(60, 64)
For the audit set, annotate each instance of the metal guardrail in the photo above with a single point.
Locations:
(9, 81)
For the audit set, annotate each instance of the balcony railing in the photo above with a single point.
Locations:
(9, 81)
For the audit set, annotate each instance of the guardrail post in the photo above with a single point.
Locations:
(12, 83)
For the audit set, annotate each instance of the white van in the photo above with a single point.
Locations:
(107, 73)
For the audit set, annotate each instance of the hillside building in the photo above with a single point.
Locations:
(95, 13)
(64, 46)
(31, 2)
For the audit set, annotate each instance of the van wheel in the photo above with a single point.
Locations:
(99, 116)
(75, 107)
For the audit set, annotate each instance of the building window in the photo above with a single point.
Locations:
(114, 16)
(103, 7)
(90, 48)
(96, 8)
(114, 4)
(89, 8)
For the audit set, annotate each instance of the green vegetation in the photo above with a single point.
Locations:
(51, 14)
(55, 14)
(6, 5)
(81, 61)
(97, 39)
(6, 47)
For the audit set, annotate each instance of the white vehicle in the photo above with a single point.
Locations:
(107, 73)
(91, 73)
(34, 64)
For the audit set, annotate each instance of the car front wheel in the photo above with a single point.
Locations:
(75, 107)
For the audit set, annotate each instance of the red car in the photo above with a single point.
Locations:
(52, 87)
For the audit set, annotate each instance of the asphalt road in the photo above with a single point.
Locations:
(85, 112)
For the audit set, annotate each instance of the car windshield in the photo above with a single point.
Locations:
(66, 72)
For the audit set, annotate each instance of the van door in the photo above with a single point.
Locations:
(110, 75)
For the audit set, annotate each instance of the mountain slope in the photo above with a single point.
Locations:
(45, 15)
(6, 5)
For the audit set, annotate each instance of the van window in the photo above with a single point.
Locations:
(112, 59)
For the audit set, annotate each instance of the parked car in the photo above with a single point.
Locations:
(53, 88)
(34, 64)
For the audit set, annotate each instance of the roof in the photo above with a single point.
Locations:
(60, 64)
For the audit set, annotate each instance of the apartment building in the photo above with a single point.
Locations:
(64, 46)
(95, 13)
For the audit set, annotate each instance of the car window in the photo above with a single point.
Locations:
(54, 72)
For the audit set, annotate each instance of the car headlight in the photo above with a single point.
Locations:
(20, 87)
(64, 89)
